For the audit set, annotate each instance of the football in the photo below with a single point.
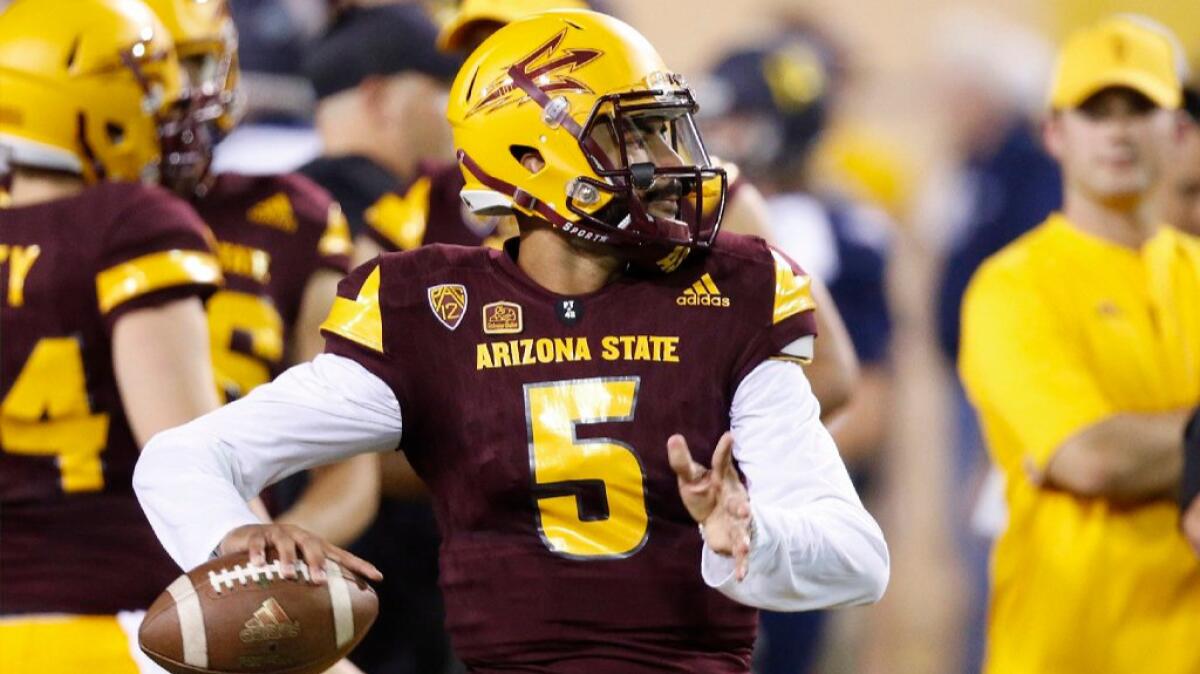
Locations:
(230, 616)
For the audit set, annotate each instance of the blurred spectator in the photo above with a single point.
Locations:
(992, 78)
(275, 136)
(1079, 350)
(1180, 196)
(274, 34)
(768, 107)
(381, 90)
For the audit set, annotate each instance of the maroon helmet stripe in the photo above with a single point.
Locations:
(516, 193)
(542, 99)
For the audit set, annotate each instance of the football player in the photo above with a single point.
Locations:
(552, 394)
(283, 245)
(104, 336)
(431, 210)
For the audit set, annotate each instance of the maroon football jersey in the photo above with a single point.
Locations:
(273, 232)
(540, 423)
(431, 211)
(72, 537)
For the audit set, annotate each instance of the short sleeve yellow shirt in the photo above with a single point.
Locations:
(1062, 329)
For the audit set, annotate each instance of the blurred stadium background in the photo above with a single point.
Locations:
(927, 91)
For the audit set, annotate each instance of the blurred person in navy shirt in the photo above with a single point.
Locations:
(1180, 195)
(765, 110)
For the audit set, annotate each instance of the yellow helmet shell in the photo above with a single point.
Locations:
(576, 55)
(613, 128)
(204, 28)
(84, 90)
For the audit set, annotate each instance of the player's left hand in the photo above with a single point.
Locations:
(716, 498)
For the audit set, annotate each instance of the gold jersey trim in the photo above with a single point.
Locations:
(402, 220)
(336, 239)
(123, 282)
(359, 320)
(793, 292)
(791, 359)
(276, 212)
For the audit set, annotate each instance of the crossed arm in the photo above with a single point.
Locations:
(1125, 458)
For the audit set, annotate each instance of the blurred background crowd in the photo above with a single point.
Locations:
(897, 145)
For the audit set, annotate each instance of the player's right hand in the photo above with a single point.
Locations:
(290, 541)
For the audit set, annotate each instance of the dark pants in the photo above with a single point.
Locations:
(409, 636)
(789, 643)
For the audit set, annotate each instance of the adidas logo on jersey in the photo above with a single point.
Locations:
(275, 211)
(703, 293)
(269, 623)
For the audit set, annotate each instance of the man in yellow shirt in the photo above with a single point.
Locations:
(1081, 352)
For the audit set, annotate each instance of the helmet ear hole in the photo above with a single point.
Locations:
(528, 157)
(114, 132)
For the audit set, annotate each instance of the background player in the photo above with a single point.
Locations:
(283, 245)
(772, 106)
(1092, 573)
(558, 558)
(104, 335)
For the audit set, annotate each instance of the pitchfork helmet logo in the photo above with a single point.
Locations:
(546, 66)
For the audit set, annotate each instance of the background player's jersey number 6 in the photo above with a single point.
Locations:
(590, 493)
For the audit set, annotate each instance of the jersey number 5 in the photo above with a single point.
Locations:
(591, 493)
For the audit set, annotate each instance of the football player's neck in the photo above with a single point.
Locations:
(31, 186)
(1128, 221)
(554, 263)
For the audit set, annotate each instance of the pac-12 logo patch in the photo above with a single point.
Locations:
(449, 303)
(502, 318)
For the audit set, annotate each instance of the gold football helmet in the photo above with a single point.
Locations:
(206, 41)
(89, 89)
(477, 17)
(586, 94)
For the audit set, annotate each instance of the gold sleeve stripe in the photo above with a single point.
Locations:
(359, 320)
(146, 274)
(791, 359)
(402, 220)
(336, 239)
(793, 293)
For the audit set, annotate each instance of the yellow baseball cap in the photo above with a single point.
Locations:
(495, 11)
(1116, 52)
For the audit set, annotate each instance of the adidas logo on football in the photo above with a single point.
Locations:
(703, 293)
(269, 623)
